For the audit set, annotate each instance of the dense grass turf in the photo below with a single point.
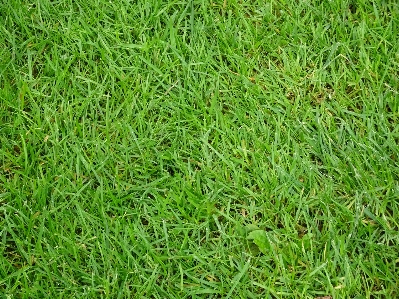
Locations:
(199, 149)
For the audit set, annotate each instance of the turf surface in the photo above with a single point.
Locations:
(199, 149)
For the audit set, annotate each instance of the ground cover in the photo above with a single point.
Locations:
(199, 149)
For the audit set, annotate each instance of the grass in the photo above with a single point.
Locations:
(199, 149)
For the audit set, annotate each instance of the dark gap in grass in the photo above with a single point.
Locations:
(36, 69)
(316, 160)
(280, 225)
(290, 95)
(302, 229)
(150, 195)
(17, 150)
(144, 221)
(78, 231)
(11, 252)
(319, 225)
(352, 7)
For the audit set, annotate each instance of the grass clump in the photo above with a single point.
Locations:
(199, 149)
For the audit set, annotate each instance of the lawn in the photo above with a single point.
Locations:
(199, 149)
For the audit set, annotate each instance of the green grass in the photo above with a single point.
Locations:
(199, 149)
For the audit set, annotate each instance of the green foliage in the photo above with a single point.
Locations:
(259, 237)
(199, 149)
